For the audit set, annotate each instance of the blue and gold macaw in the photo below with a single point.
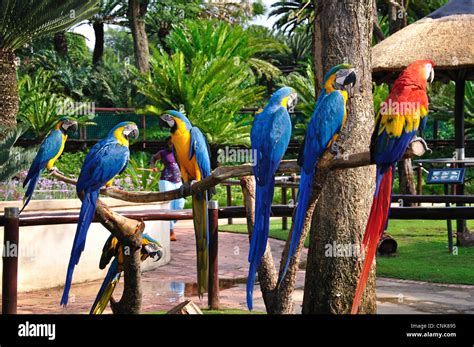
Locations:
(401, 115)
(113, 249)
(270, 136)
(50, 150)
(323, 129)
(106, 159)
(193, 156)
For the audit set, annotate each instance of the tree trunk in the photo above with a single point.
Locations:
(397, 18)
(8, 89)
(99, 42)
(136, 13)
(406, 177)
(60, 43)
(377, 30)
(344, 29)
(129, 233)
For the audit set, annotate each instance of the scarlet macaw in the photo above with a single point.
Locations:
(113, 249)
(270, 136)
(192, 154)
(50, 150)
(327, 121)
(106, 159)
(396, 124)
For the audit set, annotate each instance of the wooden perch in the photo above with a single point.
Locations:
(222, 173)
(279, 298)
(129, 233)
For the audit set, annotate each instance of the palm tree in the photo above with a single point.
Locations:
(14, 159)
(211, 92)
(293, 14)
(220, 39)
(442, 105)
(110, 11)
(23, 21)
(41, 107)
(304, 86)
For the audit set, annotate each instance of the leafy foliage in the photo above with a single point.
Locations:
(219, 39)
(196, 88)
(14, 159)
(40, 107)
(27, 19)
(304, 84)
(70, 163)
(112, 83)
(299, 48)
(293, 14)
(141, 180)
(72, 78)
(442, 104)
(380, 93)
(119, 42)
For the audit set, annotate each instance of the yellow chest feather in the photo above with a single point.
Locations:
(51, 162)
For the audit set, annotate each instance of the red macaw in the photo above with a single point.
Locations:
(399, 118)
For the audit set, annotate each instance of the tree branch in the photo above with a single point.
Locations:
(222, 173)
(129, 233)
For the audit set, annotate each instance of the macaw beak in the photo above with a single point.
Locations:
(154, 251)
(168, 120)
(346, 77)
(131, 131)
(431, 76)
(70, 126)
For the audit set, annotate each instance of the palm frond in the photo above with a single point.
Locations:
(195, 88)
(23, 20)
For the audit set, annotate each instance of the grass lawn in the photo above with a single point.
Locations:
(422, 252)
(276, 232)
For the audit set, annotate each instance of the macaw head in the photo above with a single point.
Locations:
(417, 73)
(286, 97)
(124, 131)
(151, 248)
(66, 125)
(175, 120)
(339, 77)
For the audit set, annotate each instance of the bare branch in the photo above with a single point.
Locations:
(223, 173)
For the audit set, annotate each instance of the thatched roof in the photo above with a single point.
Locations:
(446, 36)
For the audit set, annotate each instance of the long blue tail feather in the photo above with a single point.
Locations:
(258, 243)
(111, 274)
(304, 192)
(86, 216)
(31, 188)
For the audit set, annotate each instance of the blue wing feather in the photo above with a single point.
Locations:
(326, 121)
(200, 148)
(104, 161)
(270, 136)
(49, 148)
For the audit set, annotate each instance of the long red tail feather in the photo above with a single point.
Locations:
(373, 231)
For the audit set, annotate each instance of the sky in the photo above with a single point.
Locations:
(86, 30)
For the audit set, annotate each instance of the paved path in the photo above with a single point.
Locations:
(164, 287)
